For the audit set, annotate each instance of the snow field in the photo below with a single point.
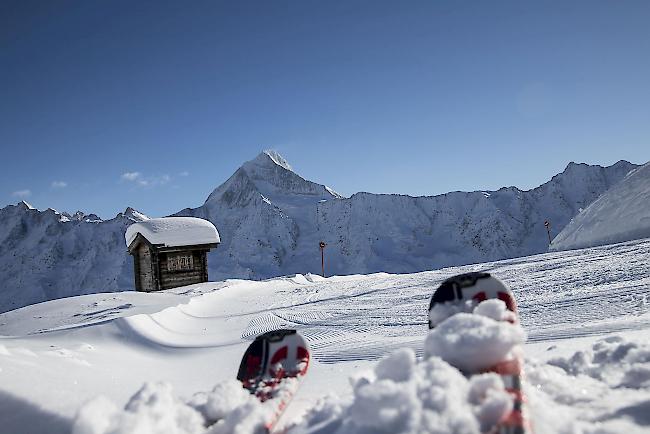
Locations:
(57, 356)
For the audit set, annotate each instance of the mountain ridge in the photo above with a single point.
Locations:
(271, 220)
(620, 214)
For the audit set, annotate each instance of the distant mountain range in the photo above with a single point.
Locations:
(271, 220)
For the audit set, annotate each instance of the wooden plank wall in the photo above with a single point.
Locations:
(173, 279)
(145, 269)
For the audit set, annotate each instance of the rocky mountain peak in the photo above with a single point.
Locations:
(133, 214)
(24, 205)
(271, 177)
(275, 158)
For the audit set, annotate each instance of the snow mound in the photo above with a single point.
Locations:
(495, 309)
(622, 213)
(174, 231)
(154, 409)
(314, 277)
(608, 383)
(474, 342)
(402, 395)
(614, 360)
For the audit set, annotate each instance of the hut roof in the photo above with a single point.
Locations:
(174, 231)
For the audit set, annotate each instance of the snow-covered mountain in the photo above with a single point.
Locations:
(46, 255)
(271, 220)
(620, 214)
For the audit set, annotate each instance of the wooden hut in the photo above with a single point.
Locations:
(170, 252)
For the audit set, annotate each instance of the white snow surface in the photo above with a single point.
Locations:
(475, 342)
(622, 213)
(164, 362)
(174, 231)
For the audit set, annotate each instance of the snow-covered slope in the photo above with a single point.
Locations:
(588, 353)
(620, 214)
(271, 220)
(46, 255)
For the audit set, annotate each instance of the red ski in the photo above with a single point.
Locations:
(453, 296)
(272, 369)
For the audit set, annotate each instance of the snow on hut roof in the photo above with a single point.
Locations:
(174, 231)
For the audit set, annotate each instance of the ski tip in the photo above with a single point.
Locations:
(283, 349)
(475, 286)
(451, 289)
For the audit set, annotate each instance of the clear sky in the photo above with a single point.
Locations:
(152, 104)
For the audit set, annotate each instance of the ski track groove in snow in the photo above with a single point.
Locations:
(355, 317)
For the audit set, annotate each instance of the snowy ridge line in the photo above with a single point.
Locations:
(619, 214)
(145, 329)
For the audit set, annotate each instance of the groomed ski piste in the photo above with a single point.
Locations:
(166, 362)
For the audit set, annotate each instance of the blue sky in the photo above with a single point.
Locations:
(152, 104)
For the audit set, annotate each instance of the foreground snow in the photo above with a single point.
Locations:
(111, 362)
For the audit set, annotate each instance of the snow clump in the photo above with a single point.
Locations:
(495, 309)
(613, 360)
(154, 409)
(403, 395)
(475, 342)
(602, 390)
(442, 311)
(224, 399)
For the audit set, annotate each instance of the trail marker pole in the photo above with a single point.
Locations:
(548, 231)
(322, 256)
